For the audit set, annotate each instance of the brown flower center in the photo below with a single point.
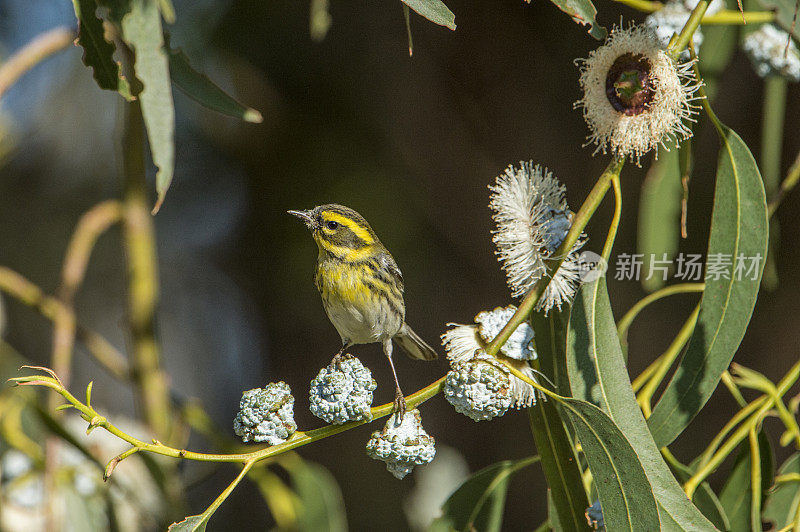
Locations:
(628, 84)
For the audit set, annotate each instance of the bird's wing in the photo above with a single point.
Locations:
(387, 263)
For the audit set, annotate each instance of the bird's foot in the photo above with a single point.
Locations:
(399, 405)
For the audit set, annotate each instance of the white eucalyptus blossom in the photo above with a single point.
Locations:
(635, 96)
(519, 345)
(402, 444)
(266, 414)
(342, 391)
(533, 219)
(766, 46)
(464, 344)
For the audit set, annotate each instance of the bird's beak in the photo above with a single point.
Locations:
(305, 216)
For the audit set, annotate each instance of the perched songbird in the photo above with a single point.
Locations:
(361, 285)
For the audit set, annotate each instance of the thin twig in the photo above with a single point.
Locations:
(20, 288)
(33, 53)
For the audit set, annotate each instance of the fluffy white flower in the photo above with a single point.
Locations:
(766, 46)
(464, 344)
(533, 219)
(402, 444)
(635, 96)
(671, 19)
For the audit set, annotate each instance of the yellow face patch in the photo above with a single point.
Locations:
(362, 233)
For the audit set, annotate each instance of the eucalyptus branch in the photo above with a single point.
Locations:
(298, 439)
(733, 17)
(579, 222)
(680, 41)
(665, 362)
(140, 248)
(23, 290)
(33, 53)
(646, 6)
(709, 464)
(792, 177)
(612, 229)
(683, 288)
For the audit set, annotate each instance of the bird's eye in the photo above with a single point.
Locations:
(332, 225)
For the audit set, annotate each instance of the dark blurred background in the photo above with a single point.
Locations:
(409, 142)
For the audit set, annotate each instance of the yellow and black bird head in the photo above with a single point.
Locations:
(340, 231)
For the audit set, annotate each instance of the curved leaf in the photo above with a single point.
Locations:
(141, 29)
(202, 90)
(98, 53)
(433, 10)
(321, 506)
(738, 231)
(597, 373)
(619, 477)
(560, 465)
(582, 12)
(704, 498)
(783, 502)
(478, 503)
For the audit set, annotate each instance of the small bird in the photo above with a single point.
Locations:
(361, 286)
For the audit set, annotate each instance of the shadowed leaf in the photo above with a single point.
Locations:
(583, 12)
(598, 374)
(202, 90)
(783, 502)
(97, 52)
(478, 503)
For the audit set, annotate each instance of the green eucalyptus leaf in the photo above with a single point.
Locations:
(433, 10)
(625, 493)
(141, 29)
(478, 503)
(202, 90)
(193, 523)
(321, 506)
(659, 217)
(582, 12)
(598, 374)
(97, 52)
(736, 496)
(561, 469)
(738, 229)
(719, 45)
(704, 497)
(783, 501)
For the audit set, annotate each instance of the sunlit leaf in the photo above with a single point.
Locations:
(598, 374)
(433, 10)
(97, 52)
(478, 503)
(202, 90)
(738, 229)
(141, 29)
(625, 493)
(659, 217)
(783, 502)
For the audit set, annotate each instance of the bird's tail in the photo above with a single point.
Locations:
(413, 345)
